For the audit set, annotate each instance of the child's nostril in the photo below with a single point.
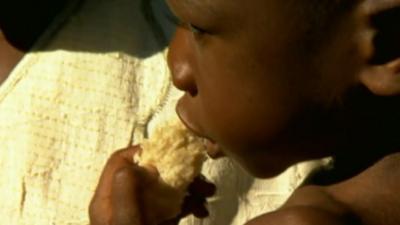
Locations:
(193, 92)
(183, 78)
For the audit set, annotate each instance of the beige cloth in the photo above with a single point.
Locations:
(93, 88)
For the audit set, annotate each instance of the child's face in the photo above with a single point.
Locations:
(251, 84)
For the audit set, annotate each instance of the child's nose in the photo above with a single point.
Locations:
(181, 62)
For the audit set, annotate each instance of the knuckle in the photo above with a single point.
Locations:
(125, 155)
(124, 174)
(116, 155)
(115, 160)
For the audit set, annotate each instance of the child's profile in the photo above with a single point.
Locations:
(274, 83)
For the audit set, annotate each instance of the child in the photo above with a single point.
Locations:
(274, 83)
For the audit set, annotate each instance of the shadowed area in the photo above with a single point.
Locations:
(145, 29)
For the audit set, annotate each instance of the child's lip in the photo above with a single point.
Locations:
(184, 117)
(213, 149)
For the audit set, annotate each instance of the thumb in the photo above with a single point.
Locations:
(116, 198)
(125, 198)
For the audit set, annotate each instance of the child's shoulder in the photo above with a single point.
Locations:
(309, 205)
(369, 198)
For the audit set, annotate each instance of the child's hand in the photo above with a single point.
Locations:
(118, 196)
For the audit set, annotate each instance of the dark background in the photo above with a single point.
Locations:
(23, 21)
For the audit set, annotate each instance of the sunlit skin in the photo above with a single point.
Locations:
(273, 85)
(9, 57)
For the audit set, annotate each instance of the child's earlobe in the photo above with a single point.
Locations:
(381, 72)
(383, 80)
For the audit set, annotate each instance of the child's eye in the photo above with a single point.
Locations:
(195, 29)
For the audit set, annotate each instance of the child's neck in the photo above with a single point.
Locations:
(9, 57)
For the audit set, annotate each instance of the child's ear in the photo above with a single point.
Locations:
(381, 73)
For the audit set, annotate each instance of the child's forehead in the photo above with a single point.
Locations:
(218, 7)
(193, 5)
(224, 11)
(205, 9)
(210, 5)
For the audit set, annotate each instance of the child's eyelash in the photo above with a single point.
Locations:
(193, 28)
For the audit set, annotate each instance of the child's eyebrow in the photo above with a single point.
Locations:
(201, 6)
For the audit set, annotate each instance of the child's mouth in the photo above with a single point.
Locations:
(213, 148)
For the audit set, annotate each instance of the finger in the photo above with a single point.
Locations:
(125, 199)
(201, 187)
(200, 211)
(118, 160)
(100, 210)
(194, 205)
(171, 222)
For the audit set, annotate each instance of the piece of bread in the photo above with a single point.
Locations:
(178, 156)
